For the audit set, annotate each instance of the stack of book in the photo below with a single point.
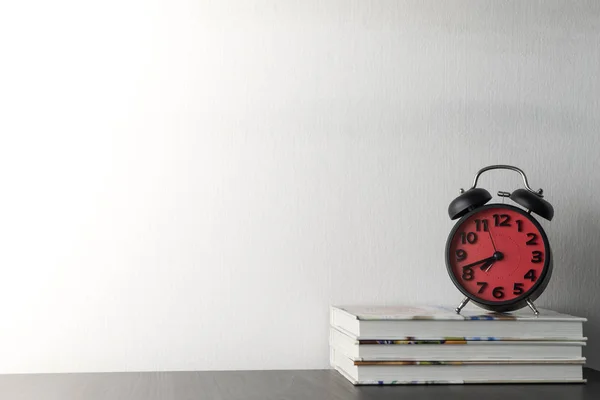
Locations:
(427, 345)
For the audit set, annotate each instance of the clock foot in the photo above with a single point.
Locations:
(533, 308)
(461, 305)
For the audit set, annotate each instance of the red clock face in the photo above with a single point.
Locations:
(498, 254)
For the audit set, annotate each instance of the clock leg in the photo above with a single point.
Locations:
(461, 305)
(535, 310)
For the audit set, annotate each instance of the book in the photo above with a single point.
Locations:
(431, 322)
(457, 372)
(452, 348)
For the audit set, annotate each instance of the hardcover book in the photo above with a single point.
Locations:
(457, 372)
(433, 322)
(453, 348)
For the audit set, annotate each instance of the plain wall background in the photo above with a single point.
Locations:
(190, 185)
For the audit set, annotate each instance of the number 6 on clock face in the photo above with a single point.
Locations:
(499, 256)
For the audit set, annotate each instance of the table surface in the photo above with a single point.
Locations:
(265, 385)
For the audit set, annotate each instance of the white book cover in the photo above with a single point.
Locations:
(426, 322)
(446, 313)
(457, 372)
(453, 349)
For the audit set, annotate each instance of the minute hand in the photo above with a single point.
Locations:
(492, 258)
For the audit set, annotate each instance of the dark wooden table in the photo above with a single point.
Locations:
(265, 385)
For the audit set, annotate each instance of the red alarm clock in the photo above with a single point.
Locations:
(498, 255)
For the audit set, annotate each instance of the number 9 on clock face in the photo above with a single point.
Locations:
(499, 256)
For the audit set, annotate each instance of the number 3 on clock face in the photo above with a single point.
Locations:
(499, 256)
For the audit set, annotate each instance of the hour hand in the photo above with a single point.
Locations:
(486, 265)
(485, 260)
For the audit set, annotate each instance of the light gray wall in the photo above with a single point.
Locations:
(190, 185)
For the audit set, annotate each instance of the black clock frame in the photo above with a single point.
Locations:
(519, 302)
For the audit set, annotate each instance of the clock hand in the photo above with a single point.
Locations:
(492, 258)
(486, 267)
(490, 233)
(496, 257)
